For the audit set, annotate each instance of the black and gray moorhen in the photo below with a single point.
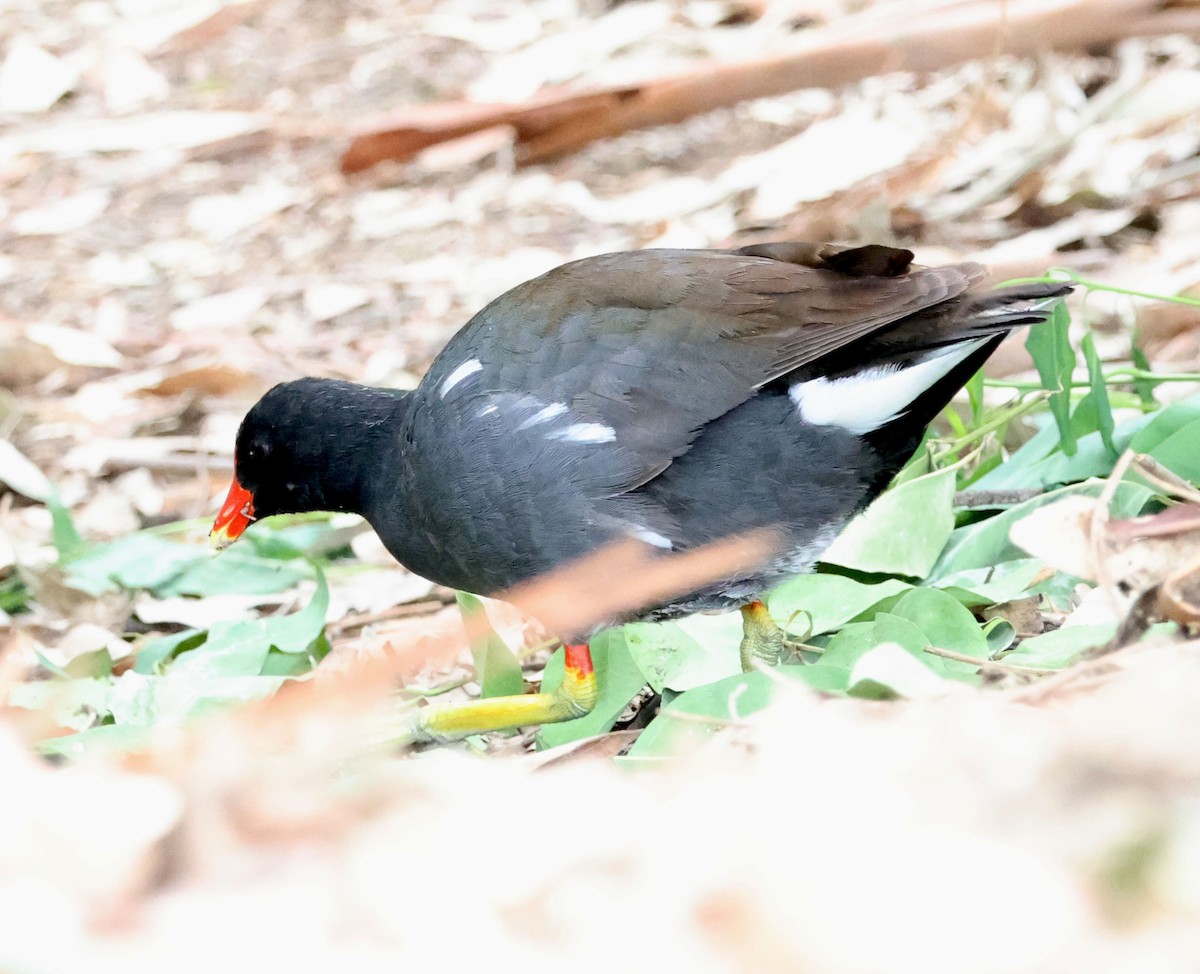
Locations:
(673, 396)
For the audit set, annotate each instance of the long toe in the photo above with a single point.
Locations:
(762, 639)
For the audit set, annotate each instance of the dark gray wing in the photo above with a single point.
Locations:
(625, 357)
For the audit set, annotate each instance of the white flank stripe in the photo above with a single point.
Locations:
(543, 415)
(469, 367)
(868, 399)
(585, 433)
(652, 538)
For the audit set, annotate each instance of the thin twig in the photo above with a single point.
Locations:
(988, 664)
(1165, 480)
(424, 607)
(995, 498)
(1098, 530)
(685, 717)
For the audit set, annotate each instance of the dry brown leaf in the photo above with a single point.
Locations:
(209, 380)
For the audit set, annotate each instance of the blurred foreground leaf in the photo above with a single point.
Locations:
(496, 668)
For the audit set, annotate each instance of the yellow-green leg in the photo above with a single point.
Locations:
(762, 640)
(575, 697)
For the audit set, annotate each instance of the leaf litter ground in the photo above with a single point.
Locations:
(179, 240)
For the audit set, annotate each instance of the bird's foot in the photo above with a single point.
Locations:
(574, 697)
(762, 640)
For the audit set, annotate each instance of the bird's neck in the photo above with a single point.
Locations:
(360, 449)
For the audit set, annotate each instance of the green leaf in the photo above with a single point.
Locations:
(232, 649)
(67, 540)
(996, 583)
(1060, 647)
(139, 561)
(619, 681)
(108, 737)
(70, 703)
(854, 642)
(239, 648)
(309, 539)
(986, 543)
(688, 653)
(296, 664)
(496, 668)
(974, 389)
(1164, 424)
(1143, 387)
(1039, 463)
(946, 624)
(830, 600)
(231, 573)
(919, 464)
(730, 699)
(1000, 634)
(167, 701)
(1180, 452)
(164, 567)
(14, 596)
(95, 665)
(902, 532)
(1097, 396)
(1050, 347)
(154, 654)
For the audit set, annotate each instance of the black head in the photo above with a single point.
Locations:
(309, 445)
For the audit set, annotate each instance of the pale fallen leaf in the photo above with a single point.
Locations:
(457, 154)
(1060, 535)
(373, 591)
(148, 25)
(23, 362)
(892, 666)
(31, 78)
(106, 513)
(61, 813)
(121, 270)
(1046, 240)
(504, 30)
(148, 132)
(389, 212)
(142, 491)
(21, 474)
(63, 216)
(130, 82)
(87, 637)
(222, 216)
(202, 613)
(190, 34)
(75, 346)
(369, 549)
(1094, 607)
(232, 309)
(665, 200)
(324, 302)
(111, 323)
(567, 53)
(832, 155)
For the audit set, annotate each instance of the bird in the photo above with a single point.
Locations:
(675, 397)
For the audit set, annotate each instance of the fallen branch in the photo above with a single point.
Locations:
(874, 42)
